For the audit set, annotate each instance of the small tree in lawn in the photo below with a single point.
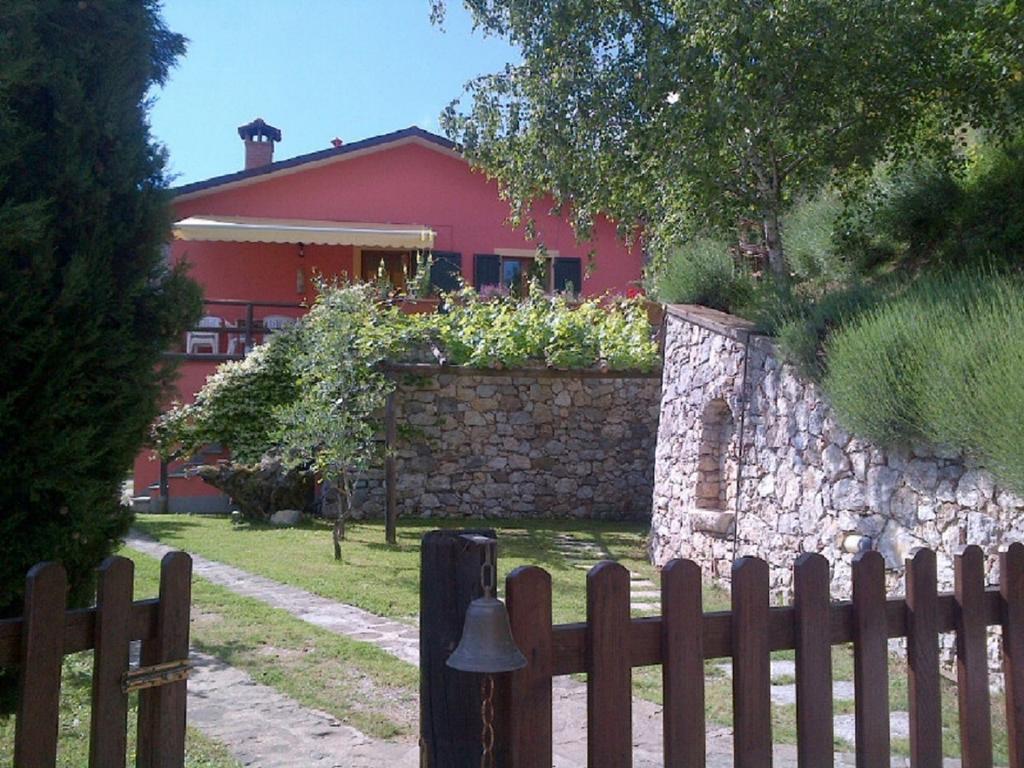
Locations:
(687, 115)
(335, 419)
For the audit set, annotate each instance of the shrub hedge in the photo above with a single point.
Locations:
(702, 271)
(943, 363)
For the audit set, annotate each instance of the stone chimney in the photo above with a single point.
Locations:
(259, 138)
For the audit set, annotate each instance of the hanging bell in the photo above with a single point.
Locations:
(486, 645)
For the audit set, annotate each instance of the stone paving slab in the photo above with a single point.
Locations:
(263, 727)
(395, 637)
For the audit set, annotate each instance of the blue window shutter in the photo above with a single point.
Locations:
(447, 270)
(568, 274)
(486, 270)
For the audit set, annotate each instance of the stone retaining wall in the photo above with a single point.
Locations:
(521, 443)
(766, 469)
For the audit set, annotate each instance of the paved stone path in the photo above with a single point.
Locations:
(263, 727)
(644, 594)
(395, 637)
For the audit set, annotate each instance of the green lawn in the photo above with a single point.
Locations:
(356, 682)
(384, 579)
(73, 745)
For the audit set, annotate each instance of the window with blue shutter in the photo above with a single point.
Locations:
(486, 270)
(446, 272)
(568, 275)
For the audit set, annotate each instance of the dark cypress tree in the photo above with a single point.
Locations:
(87, 302)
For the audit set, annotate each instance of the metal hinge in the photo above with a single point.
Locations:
(157, 674)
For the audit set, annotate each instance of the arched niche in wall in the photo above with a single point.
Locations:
(716, 461)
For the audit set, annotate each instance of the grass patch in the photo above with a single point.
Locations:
(75, 717)
(385, 580)
(354, 681)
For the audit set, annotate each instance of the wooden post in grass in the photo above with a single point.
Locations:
(165, 488)
(390, 479)
(449, 700)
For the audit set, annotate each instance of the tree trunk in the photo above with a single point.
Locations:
(344, 502)
(773, 242)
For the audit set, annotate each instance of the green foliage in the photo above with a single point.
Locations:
(928, 216)
(340, 388)
(87, 303)
(702, 271)
(687, 116)
(991, 215)
(943, 363)
(813, 240)
(238, 405)
(804, 326)
(507, 332)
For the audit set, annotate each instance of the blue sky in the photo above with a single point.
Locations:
(316, 69)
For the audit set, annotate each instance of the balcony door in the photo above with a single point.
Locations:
(395, 265)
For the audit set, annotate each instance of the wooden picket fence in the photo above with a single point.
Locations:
(610, 643)
(38, 642)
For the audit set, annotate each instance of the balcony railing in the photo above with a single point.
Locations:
(230, 328)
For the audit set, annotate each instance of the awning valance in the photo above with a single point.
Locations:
(243, 229)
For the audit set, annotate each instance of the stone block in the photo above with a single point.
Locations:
(286, 517)
(975, 489)
(848, 494)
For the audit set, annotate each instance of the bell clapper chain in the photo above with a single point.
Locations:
(487, 717)
(488, 578)
(487, 581)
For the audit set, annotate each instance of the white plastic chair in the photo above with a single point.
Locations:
(211, 339)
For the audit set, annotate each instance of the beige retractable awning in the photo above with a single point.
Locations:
(242, 229)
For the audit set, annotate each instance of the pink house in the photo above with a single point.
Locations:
(257, 238)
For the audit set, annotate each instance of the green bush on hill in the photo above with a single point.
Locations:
(701, 271)
(944, 364)
(927, 217)
(814, 245)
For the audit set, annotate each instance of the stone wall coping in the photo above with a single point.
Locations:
(428, 369)
(713, 320)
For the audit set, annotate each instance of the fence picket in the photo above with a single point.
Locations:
(162, 710)
(609, 668)
(109, 723)
(682, 669)
(972, 660)
(870, 661)
(751, 665)
(924, 695)
(1011, 587)
(811, 600)
(529, 729)
(42, 655)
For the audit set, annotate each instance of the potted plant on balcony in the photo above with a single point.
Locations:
(419, 298)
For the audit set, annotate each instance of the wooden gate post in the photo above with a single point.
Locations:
(450, 721)
(390, 474)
